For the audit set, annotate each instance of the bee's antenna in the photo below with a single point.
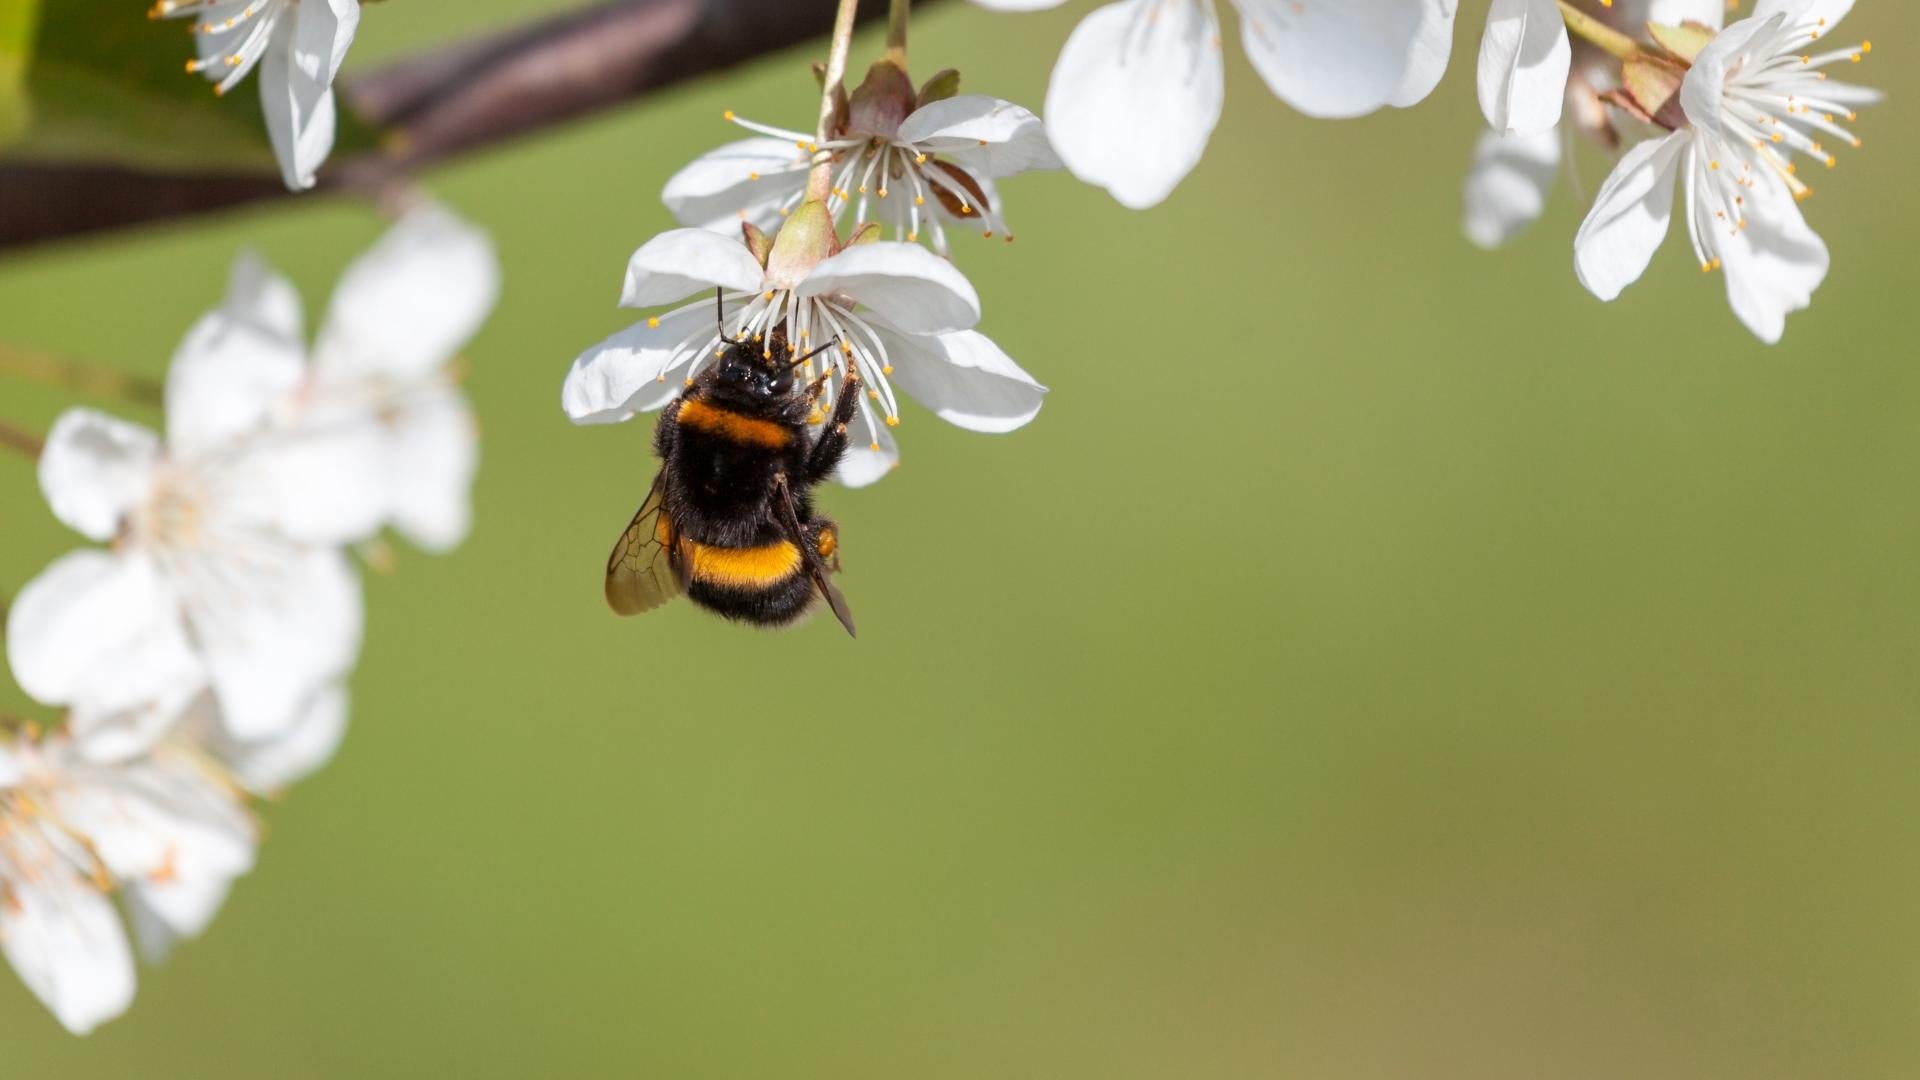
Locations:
(816, 352)
(720, 318)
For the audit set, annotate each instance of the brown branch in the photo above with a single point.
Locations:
(93, 380)
(441, 104)
(26, 442)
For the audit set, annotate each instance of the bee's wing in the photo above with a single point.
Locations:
(816, 568)
(645, 569)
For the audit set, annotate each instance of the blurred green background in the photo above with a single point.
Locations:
(1379, 659)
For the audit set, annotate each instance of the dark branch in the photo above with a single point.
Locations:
(441, 104)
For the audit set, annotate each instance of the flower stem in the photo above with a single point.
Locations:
(20, 439)
(1582, 25)
(898, 12)
(92, 380)
(820, 180)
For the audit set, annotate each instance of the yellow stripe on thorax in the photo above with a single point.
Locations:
(743, 568)
(701, 416)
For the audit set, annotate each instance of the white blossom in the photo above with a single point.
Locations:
(901, 315)
(165, 831)
(915, 161)
(1756, 96)
(298, 46)
(1138, 87)
(223, 570)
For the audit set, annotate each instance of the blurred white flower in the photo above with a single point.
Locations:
(298, 45)
(1138, 87)
(266, 767)
(167, 831)
(382, 372)
(1512, 175)
(887, 303)
(1755, 95)
(914, 160)
(223, 570)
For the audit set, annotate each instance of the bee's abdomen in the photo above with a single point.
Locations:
(767, 584)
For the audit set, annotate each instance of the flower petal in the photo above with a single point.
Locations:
(627, 373)
(227, 379)
(433, 450)
(1774, 264)
(95, 468)
(63, 938)
(300, 113)
(1524, 59)
(872, 453)
(258, 294)
(288, 626)
(1135, 95)
(1824, 12)
(1507, 189)
(403, 309)
(748, 178)
(681, 262)
(1432, 50)
(101, 634)
(1332, 58)
(321, 479)
(905, 284)
(965, 379)
(268, 765)
(1629, 218)
(998, 138)
(1709, 13)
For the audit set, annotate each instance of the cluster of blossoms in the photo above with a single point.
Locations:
(916, 161)
(202, 655)
(1137, 90)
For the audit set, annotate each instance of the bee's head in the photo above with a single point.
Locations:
(745, 373)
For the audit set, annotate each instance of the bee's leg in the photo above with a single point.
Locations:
(832, 443)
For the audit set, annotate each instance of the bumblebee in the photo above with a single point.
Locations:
(729, 520)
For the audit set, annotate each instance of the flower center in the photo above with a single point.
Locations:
(233, 34)
(891, 180)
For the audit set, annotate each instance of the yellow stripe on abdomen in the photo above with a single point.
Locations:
(729, 425)
(743, 568)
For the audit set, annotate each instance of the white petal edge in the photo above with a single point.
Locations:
(965, 379)
(746, 179)
(1332, 58)
(680, 262)
(905, 284)
(95, 468)
(1525, 55)
(413, 300)
(1130, 109)
(1508, 186)
(999, 137)
(1629, 218)
(628, 372)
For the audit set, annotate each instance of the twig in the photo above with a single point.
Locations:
(820, 180)
(442, 104)
(24, 441)
(93, 380)
(899, 13)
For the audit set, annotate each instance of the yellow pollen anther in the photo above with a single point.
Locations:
(882, 193)
(919, 200)
(728, 115)
(893, 421)
(753, 176)
(888, 370)
(768, 295)
(875, 447)
(653, 323)
(913, 238)
(920, 159)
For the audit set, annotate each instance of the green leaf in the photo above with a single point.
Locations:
(17, 21)
(109, 84)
